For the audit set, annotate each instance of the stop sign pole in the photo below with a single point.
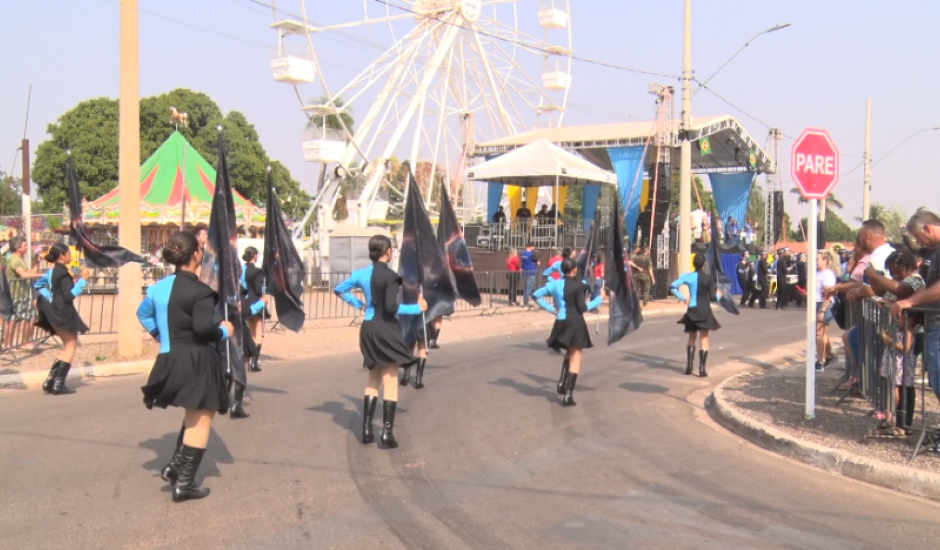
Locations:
(814, 166)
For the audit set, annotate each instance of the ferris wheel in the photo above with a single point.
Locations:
(440, 76)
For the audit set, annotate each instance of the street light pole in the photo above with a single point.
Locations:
(130, 343)
(685, 150)
(741, 49)
(866, 193)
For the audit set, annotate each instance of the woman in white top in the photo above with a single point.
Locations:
(827, 275)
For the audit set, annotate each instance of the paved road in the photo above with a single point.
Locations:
(488, 460)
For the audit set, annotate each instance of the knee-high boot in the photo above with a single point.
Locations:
(238, 398)
(50, 380)
(185, 487)
(419, 373)
(433, 343)
(58, 385)
(568, 400)
(388, 425)
(702, 359)
(563, 378)
(253, 366)
(368, 410)
(171, 471)
(405, 376)
(690, 357)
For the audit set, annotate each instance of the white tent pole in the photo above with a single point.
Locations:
(556, 210)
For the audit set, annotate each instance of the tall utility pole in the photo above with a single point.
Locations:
(685, 151)
(129, 280)
(866, 197)
(27, 204)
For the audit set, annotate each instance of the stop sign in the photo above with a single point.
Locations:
(814, 164)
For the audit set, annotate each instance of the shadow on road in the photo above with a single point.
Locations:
(655, 362)
(216, 453)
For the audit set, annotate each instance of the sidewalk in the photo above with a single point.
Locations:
(317, 340)
(767, 408)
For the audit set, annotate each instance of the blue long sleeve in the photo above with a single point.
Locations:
(595, 303)
(78, 288)
(554, 268)
(147, 315)
(674, 288)
(409, 309)
(344, 291)
(153, 311)
(540, 296)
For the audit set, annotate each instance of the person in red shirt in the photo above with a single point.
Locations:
(598, 275)
(514, 265)
(556, 258)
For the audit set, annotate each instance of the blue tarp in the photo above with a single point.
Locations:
(628, 164)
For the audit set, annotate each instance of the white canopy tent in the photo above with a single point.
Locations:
(540, 163)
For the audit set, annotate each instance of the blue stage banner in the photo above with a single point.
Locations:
(730, 264)
(628, 164)
(732, 192)
(592, 193)
(494, 193)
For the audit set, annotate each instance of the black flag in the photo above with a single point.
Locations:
(626, 316)
(587, 258)
(6, 297)
(717, 271)
(221, 269)
(421, 264)
(450, 237)
(95, 256)
(283, 270)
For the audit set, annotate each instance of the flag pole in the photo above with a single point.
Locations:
(424, 323)
(597, 327)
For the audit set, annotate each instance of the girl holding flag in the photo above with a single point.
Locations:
(189, 371)
(570, 331)
(57, 314)
(699, 317)
(380, 339)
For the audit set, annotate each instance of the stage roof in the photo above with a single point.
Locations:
(730, 142)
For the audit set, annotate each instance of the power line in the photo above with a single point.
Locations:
(742, 111)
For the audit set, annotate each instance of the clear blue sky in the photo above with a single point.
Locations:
(818, 72)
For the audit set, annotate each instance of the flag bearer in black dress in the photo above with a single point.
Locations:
(58, 316)
(189, 371)
(569, 332)
(380, 339)
(698, 319)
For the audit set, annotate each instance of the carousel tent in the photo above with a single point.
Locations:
(175, 170)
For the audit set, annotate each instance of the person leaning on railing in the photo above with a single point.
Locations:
(925, 227)
(17, 276)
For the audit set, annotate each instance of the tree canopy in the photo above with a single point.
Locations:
(90, 131)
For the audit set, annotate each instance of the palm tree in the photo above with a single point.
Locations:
(892, 217)
(832, 202)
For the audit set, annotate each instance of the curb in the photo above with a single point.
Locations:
(891, 476)
(34, 379)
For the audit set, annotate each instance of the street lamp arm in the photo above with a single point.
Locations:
(741, 49)
(905, 140)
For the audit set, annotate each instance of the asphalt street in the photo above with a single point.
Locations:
(488, 460)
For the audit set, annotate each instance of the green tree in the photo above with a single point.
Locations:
(90, 131)
(707, 199)
(331, 121)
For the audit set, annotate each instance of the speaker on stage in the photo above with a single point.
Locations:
(778, 215)
(660, 290)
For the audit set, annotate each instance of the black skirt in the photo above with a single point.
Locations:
(381, 344)
(63, 318)
(192, 377)
(570, 333)
(699, 318)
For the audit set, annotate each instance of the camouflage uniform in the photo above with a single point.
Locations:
(643, 281)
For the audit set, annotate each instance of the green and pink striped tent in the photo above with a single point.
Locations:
(175, 170)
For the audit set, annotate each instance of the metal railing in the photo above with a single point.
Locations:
(559, 233)
(882, 369)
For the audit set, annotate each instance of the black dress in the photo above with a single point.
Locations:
(254, 280)
(60, 314)
(380, 338)
(192, 373)
(572, 332)
(700, 316)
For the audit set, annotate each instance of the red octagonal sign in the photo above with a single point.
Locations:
(814, 164)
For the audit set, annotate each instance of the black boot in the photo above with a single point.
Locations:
(50, 380)
(419, 373)
(58, 385)
(702, 358)
(171, 471)
(388, 421)
(185, 486)
(253, 366)
(405, 376)
(568, 400)
(368, 410)
(238, 398)
(563, 377)
(433, 343)
(690, 356)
